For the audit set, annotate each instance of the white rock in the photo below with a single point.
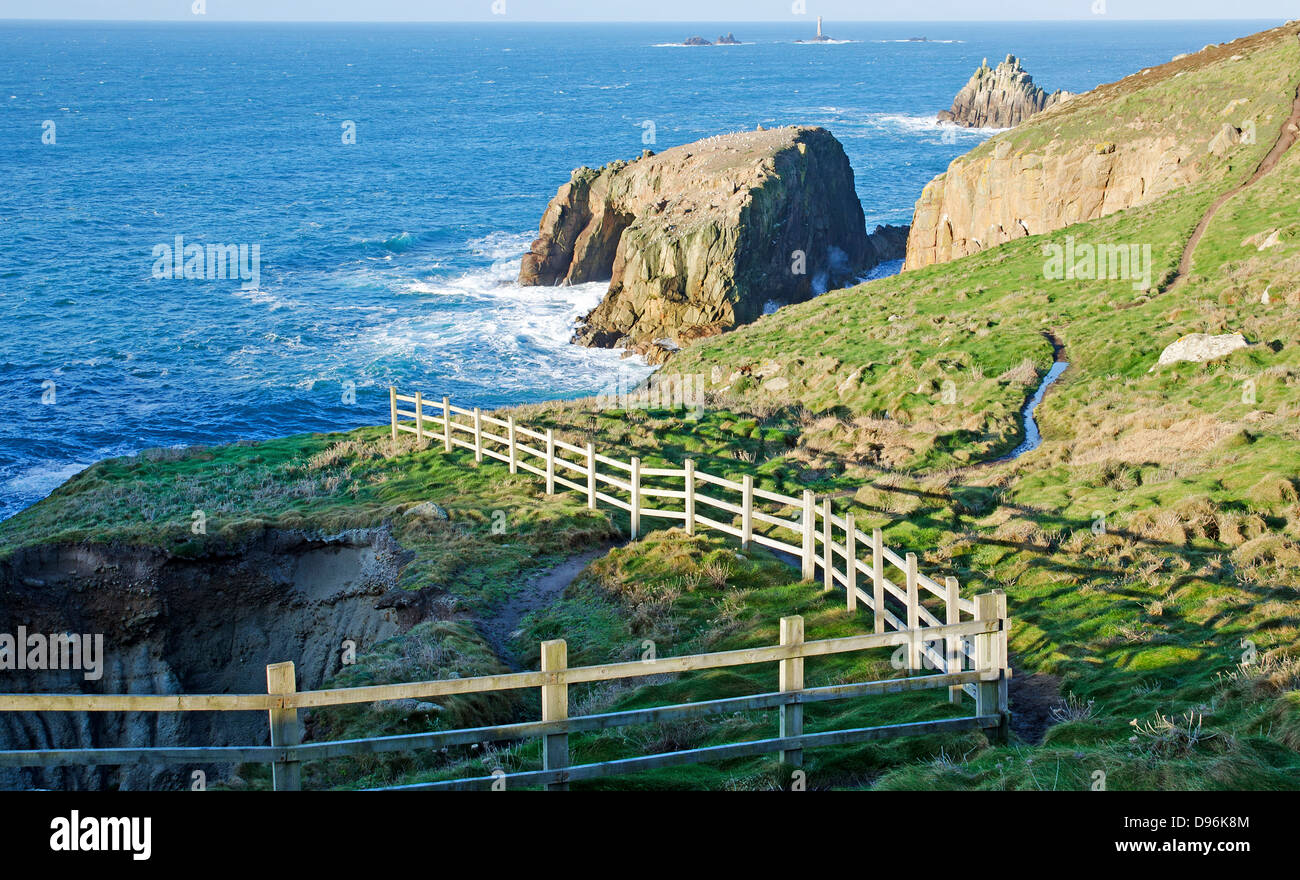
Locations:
(1201, 347)
(1227, 138)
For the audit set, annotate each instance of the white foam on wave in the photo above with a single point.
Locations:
(42, 478)
(484, 327)
(927, 125)
(887, 269)
(258, 296)
(694, 46)
(501, 245)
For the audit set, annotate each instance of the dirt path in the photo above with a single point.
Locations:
(1286, 139)
(1033, 696)
(538, 592)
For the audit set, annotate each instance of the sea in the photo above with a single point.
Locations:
(373, 187)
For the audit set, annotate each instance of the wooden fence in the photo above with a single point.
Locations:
(987, 675)
(812, 532)
(965, 650)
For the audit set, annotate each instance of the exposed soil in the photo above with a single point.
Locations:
(205, 625)
(1032, 698)
(538, 592)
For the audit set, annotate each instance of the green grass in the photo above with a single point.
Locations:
(1150, 543)
(322, 484)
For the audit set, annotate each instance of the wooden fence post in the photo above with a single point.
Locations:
(746, 510)
(851, 561)
(914, 644)
(828, 547)
(636, 497)
(555, 707)
(478, 435)
(990, 660)
(514, 449)
(419, 420)
(286, 775)
(690, 496)
(809, 535)
(446, 424)
(878, 578)
(550, 461)
(954, 655)
(392, 407)
(791, 679)
(591, 476)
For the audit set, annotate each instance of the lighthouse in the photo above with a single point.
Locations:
(821, 35)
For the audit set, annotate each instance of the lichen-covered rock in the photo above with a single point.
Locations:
(697, 239)
(1200, 348)
(1000, 97)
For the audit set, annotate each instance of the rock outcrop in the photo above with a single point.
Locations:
(1000, 97)
(988, 199)
(699, 238)
(1122, 145)
(889, 243)
(1201, 348)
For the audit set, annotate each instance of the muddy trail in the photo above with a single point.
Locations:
(1285, 140)
(538, 592)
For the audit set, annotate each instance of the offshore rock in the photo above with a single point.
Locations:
(699, 238)
(1000, 97)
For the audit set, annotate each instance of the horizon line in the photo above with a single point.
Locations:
(520, 20)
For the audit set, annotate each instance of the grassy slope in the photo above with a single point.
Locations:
(1196, 479)
(1198, 490)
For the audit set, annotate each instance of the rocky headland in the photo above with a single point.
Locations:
(1000, 97)
(700, 238)
(1082, 160)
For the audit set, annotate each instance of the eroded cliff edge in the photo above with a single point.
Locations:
(172, 625)
(1119, 146)
(700, 238)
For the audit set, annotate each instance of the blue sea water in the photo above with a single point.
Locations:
(392, 260)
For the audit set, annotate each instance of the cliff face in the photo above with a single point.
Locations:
(207, 625)
(1000, 97)
(699, 238)
(990, 198)
(1119, 146)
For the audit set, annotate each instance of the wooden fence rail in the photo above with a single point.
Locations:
(988, 676)
(964, 650)
(802, 526)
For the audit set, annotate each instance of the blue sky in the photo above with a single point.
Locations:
(645, 10)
